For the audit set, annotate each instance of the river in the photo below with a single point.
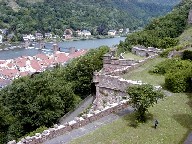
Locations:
(83, 44)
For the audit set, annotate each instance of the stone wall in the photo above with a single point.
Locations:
(110, 87)
(145, 52)
(58, 130)
(111, 63)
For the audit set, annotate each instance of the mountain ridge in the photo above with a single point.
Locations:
(57, 15)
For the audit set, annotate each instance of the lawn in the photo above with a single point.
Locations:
(186, 37)
(175, 122)
(174, 114)
(132, 56)
(142, 74)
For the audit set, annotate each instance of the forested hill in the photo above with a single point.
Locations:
(25, 16)
(161, 2)
(162, 32)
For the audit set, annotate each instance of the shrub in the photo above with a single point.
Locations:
(170, 65)
(175, 82)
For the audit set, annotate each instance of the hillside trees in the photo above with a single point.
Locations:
(37, 102)
(163, 32)
(54, 16)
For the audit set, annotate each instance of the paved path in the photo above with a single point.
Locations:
(189, 139)
(67, 137)
(77, 111)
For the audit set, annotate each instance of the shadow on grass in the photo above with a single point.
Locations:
(190, 99)
(132, 119)
(184, 120)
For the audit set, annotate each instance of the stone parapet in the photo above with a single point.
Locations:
(58, 130)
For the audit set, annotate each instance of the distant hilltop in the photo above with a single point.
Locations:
(98, 17)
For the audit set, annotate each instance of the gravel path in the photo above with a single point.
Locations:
(67, 137)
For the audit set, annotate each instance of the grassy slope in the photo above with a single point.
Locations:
(175, 122)
(186, 36)
(129, 55)
(142, 73)
(174, 114)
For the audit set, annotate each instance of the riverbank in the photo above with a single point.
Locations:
(19, 44)
(33, 50)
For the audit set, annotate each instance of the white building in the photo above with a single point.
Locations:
(112, 32)
(127, 30)
(120, 30)
(28, 38)
(83, 33)
(86, 33)
(1, 39)
(48, 35)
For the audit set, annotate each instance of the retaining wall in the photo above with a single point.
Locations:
(58, 130)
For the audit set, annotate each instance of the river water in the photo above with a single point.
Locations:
(83, 44)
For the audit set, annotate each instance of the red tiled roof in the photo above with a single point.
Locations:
(42, 56)
(49, 62)
(10, 65)
(61, 57)
(21, 62)
(77, 54)
(24, 74)
(10, 73)
(35, 65)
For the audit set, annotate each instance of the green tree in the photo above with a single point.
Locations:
(80, 71)
(142, 97)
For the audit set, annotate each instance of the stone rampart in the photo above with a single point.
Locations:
(58, 130)
(145, 52)
(110, 87)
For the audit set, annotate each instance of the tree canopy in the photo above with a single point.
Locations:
(163, 32)
(142, 97)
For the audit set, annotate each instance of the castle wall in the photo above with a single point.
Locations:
(110, 87)
(111, 96)
(58, 130)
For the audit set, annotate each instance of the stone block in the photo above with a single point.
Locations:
(12, 142)
(75, 125)
(84, 122)
(92, 118)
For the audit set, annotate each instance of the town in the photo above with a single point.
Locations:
(68, 34)
(27, 65)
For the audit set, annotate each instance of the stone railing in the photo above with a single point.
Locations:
(58, 130)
